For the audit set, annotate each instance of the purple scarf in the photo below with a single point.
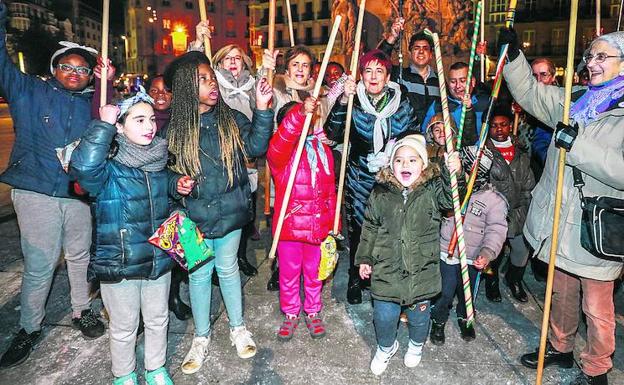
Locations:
(597, 100)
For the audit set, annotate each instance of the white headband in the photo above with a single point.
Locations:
(67, 45)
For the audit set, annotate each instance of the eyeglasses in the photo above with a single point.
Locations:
(233, 58)
(542, 74)
(599, 57)
(80, 70)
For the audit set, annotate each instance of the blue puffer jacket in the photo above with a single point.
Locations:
(360, 181)
(217, 208)
(45, 116)
(130, 204)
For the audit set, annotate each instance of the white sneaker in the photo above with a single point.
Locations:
(380, 362)
(413, 355)
(241, 338)
(195, 357)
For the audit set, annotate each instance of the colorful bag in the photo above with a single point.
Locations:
(179, 237)
(329, 257)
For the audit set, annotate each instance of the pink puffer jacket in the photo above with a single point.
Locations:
(310, 213)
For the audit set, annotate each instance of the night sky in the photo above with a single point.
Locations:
(63, 10)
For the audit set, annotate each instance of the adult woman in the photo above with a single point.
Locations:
(595, 148)
(380, 113)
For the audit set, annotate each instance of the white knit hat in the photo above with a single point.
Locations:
(415, 141)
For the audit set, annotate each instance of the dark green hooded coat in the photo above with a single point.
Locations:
(401, 236)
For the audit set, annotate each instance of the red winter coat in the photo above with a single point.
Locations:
(310, 214)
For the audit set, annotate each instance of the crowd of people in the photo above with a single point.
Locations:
(191, 141)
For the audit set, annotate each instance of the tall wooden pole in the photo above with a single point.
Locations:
(203, 17)
(267, 171)
(104, 51)
(347, 132)
(302, 139)
(558, 193)
(598, 29)
(290, 24)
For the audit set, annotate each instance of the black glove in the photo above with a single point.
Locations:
(510, 37)
(565, 135)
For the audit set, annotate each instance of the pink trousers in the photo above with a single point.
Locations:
(597, 304)
(295, 258)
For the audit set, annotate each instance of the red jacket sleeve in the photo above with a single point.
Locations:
(283, 143)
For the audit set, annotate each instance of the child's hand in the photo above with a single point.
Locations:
(365, 271)
(309, 105)
(349, 89)
(453, 163)
(185, 185)
(203, 30)
(480, 263)
(264, 93)
(110, 73)
(482, 48)
(269, 59)
(109, 113)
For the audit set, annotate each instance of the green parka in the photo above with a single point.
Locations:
(401, 236)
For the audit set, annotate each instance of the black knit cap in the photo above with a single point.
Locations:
(190, 58)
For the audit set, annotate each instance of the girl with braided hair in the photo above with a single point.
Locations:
(210, 143)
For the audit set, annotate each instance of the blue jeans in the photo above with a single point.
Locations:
(386, 318)
(452, 288)
(200, 284)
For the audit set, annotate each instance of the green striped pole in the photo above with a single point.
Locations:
(448, 133)
(473, 48)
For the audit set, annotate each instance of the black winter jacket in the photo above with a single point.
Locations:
(217, 208)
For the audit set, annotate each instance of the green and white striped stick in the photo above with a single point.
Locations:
(448, 133)
(473, 48)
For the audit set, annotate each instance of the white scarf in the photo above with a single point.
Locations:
(381, 128)
(242, 90)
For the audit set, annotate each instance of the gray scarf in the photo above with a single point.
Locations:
(151, 158)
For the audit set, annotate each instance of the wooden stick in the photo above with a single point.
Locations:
(620, 16)
(482, 26)
(302, 138)
(558, 193)
(347, 132)
(598, 31)
(290, 24)
(104, 52)
(203, 16)
(267, 170)
(450, 148)
(515, 123)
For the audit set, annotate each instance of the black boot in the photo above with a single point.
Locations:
(436, 336)
(181, 310)
(273, 284)
(21, 346)
(551, 357)
(243, 264)
(467, 331)
(492, 291)
(584, 379)
(354, 290)
(513, 278)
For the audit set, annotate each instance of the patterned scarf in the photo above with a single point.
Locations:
(151, 158)
(597, 100)
(313, 159)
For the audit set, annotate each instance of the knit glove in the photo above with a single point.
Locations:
(510, 37)
(565, 135)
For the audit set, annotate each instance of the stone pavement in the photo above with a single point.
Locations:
(504, 332)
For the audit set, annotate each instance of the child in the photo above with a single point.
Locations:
(485, 229)
(400, 243)
(309, 218)
(122, 164)
(436, 141)
(211, 143)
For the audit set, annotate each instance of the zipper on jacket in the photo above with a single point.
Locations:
(122, 233)
(151, 204)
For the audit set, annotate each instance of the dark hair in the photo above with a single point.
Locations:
(149, 83)
(281, 113)
(378, 55)
(194, 58)
(292, 53)
(87, 56)
(502, 109)
(335, 63)
(420, 36)
(460, 65)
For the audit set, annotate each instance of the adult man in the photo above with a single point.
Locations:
(48, 115)
(457, 82)
(419, 79)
